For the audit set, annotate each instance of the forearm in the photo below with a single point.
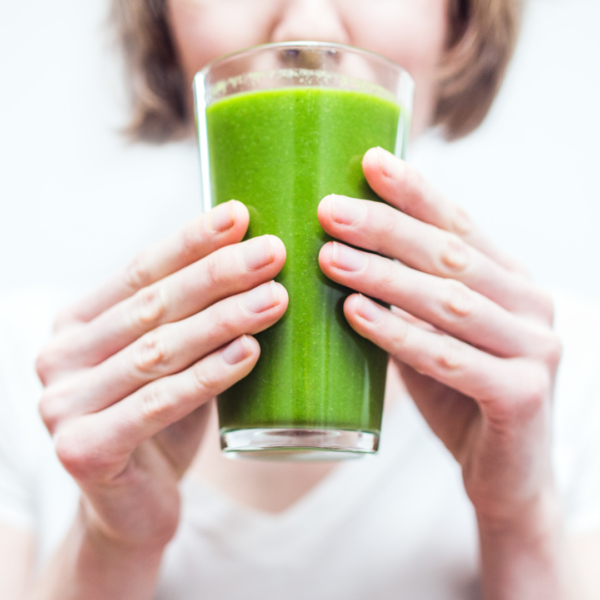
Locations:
(527, 557)
(90, 567)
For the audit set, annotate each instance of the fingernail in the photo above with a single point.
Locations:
(346, 211)
(368, 310)
(262, 298)
(389, 165)
(347, 258)
(257, 253)
(221, 217)
(236, 352)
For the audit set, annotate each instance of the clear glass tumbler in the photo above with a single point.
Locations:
(280, 127)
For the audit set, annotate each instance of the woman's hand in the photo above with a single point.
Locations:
(473, 335)
(131, 367)
(473, 339)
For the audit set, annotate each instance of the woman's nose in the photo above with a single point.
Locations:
(317, 20)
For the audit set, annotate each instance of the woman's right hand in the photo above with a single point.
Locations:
(130, 368)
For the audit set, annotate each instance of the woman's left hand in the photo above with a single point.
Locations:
(473, 337)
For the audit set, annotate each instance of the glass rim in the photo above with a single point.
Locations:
(201, 85)
(308, 44)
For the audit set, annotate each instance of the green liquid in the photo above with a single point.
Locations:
(280, 152)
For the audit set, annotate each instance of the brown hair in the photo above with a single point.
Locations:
(482, 37)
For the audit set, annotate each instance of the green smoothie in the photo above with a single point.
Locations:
(280, 152)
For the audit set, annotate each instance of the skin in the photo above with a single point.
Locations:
(411, 33)
(131, 370)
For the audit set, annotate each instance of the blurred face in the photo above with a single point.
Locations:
(410, 32)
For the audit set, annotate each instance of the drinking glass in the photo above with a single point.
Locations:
(281, 126)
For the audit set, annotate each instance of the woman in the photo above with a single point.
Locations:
(130, 370)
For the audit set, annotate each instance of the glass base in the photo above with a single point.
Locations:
(297, 444)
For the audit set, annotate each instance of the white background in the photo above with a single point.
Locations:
(76, 201)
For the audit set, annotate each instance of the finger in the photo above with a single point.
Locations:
(503, 388)
(447, 304)
(164, 351)
(98, 446)
(400, 184)
(226, 272)
(379, 227)
(225, 224)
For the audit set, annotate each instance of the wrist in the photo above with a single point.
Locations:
(94, 566)
(523, 552)
(112, 550)
(120, 569)
(539, 515)
(123, 535)
(112, 553)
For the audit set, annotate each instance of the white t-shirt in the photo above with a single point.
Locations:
(398, 525)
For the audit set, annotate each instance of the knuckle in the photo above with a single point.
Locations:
(387, 220)
(137, 274)
(461, 222)
(50, 409)
(206, 383)
(413, 183)
(81, 459)
(225, 325)
(214, 269)
(530, 396)
(191, 240)
(385, 224)
(150, 354)
(457, 299)
(535, 391)
(398, 335)
(52, 358)
(454, 253)
(149, 306)
(553, 350)
(450, 354)
(45, 364)
(58, 401)
(156, 403)
(387, 278)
